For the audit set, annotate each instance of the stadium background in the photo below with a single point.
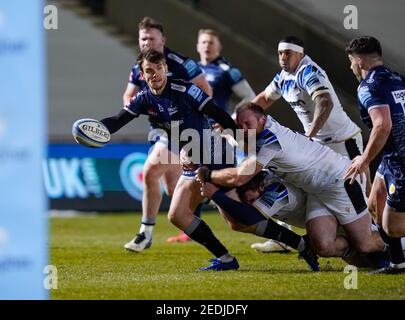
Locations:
(90, 55)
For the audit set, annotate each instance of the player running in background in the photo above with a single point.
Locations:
(306, 88)
(381, 97)
(224, 78)
(151, 36)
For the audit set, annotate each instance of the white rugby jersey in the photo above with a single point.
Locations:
(300, 90)
(282, 201)
(296, 159)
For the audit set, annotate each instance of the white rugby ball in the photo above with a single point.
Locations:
(90, 133)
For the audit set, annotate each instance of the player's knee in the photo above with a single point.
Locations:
(238, 227)
(171, 216)
(372, 208)
(170, 190)
(394, 231)
(323, 247)
(150, 173)
(365, 245)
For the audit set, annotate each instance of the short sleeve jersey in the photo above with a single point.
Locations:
(299, 90)
(222, 76)
(382, 87)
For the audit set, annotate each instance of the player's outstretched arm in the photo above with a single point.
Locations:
(117, 121)
(231, 177)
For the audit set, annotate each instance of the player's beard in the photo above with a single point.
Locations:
(158, 86)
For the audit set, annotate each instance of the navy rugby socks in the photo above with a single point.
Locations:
(200, 232)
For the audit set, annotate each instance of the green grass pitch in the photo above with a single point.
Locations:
(92, 264)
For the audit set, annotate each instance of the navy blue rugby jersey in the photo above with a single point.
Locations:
(222, 76)
(179, 105)
(180, 67)
(384, 87)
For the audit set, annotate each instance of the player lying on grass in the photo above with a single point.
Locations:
(312, 167)
(253, 215)
(264, 198)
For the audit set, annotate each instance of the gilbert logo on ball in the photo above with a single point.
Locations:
(90, 133)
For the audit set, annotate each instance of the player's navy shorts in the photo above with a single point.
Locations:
(394, 177)
(381, 169)
(192, 174)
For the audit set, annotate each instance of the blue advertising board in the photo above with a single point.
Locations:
(23, 207)
(96, 179)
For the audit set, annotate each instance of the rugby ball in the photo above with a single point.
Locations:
(90, 133)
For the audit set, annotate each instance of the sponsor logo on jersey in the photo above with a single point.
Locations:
(399, 97)
(363, 89)
(235, 74)
(178, 87)
(172, 110)
(191, 66)
(194, 91)
(298, 103)
(224, 66)
(392, 188)
(175, 58)
(371, 78)
(210, 77)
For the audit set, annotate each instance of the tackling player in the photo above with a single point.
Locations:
(315, 169)
(381, 97)
(276, 200)
(266, 197)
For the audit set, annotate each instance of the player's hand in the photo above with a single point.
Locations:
(201, 174)
(208, 189)
(217, 126)
(186, 162)
(359, 167)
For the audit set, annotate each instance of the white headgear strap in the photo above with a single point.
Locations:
(290, 46)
